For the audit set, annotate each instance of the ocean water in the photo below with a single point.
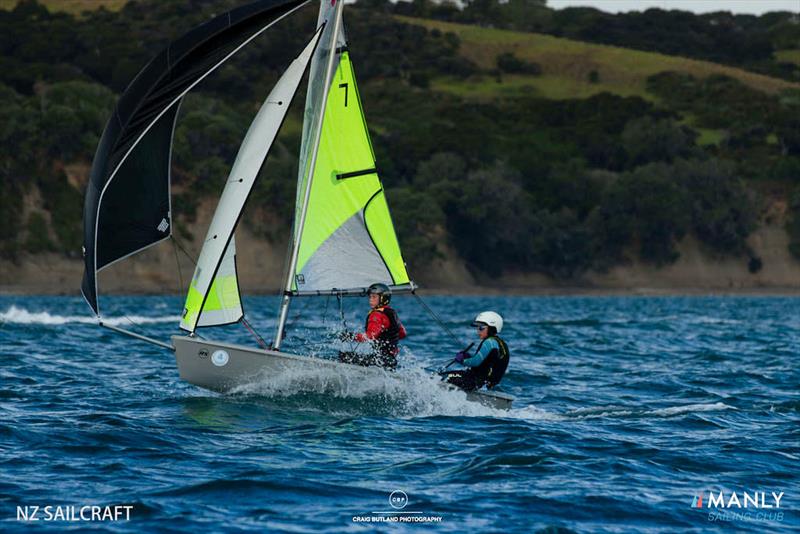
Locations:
(626, 410)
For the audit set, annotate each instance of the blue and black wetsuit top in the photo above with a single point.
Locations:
(490, 361)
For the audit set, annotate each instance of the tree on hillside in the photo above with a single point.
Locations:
(648, 140)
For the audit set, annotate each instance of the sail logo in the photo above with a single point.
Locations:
(220, 358)
(740, 506)
(162, 226)
(755, 499)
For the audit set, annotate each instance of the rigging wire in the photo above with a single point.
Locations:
(350, 343)
(180, 278)
(175, 240)
(325, 313)
(132, 322)
(178, 263)
(437, 319)
(243, 321)
(255, 334)
(341, 310)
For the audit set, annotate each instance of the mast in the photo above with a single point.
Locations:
(284, 310)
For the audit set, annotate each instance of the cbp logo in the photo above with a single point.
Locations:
(398, 499)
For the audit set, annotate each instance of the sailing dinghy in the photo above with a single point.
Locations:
(343, 239)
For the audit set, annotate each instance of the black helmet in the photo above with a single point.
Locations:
(383, 291)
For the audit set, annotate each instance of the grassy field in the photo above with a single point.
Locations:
(567, 65)
(788, 56)
(71, 6)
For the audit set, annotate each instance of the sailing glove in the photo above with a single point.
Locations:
(461, 356)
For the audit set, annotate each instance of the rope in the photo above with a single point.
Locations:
(350, 344)
(341, 311)
(178, 243)
(131, 321)
(255, 334)
(325, 313)
(438, 320)
(178, 263)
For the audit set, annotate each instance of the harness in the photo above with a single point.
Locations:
(492, 369)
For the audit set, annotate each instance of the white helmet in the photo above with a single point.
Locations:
(489, 318)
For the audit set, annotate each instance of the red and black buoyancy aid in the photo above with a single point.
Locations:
(386, 342)
(492, 369)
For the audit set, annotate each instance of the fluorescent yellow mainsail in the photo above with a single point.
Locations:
(343, 238)
(347, 240)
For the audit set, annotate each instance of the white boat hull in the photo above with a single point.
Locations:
(225, 368)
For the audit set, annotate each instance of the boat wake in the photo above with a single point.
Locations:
(15, 315)
(410, 392)
(415, 393)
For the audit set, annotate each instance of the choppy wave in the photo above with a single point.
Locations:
(624, 409)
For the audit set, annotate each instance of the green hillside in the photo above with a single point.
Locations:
(567, 65)
(506, 151)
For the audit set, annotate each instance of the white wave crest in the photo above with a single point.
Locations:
(15, 315)
(690, 408)
(619, 411)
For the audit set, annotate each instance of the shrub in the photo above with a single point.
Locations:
(559, 244)
(645, 206)
(417, 218)
(65, 205)
(37, 241)
(723, 211)
(508, 62)
(793, 223)
(647, 140)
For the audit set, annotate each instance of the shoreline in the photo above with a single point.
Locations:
(260, 271)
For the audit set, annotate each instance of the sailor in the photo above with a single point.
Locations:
(488, 364)
(383, 330)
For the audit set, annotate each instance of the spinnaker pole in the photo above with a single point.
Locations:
(290, 273)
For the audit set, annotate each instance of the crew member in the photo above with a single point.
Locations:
(383, 330)
(488, 364)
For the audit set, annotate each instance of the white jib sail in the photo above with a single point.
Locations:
(254, 149)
